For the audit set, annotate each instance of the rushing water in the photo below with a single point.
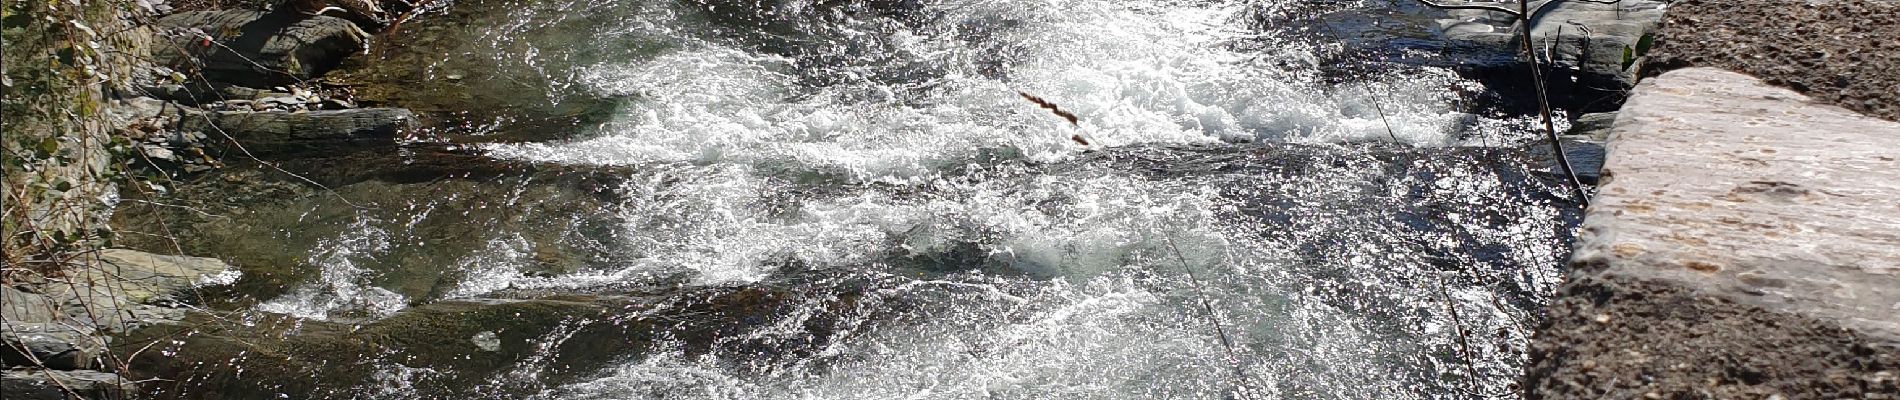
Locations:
(1239, 225)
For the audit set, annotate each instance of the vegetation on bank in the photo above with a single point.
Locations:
(62, 61)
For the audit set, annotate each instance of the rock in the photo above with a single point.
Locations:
(143, 277)
(482, 346)
(1586, 159)
(1845, 52)
(198, 93)
(1592, 127)
(258, 49)
(277, 132)
(126, 288)
(1741, 229)
(49, 345)
(1582, 44)
(157, 152)
(63, 385)
(21, 306)
(1576, 35)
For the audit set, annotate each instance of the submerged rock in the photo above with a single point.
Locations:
(474, 80)
(520, 346)
(414, 224)
(257, 49)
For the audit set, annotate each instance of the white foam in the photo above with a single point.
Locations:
(1134, 72)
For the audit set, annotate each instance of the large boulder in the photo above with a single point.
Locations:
(258, 49)
(1741, 246)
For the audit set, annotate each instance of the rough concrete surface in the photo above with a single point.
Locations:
(1744, 243)
(1846, 52)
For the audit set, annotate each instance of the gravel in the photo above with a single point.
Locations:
(1844, 52)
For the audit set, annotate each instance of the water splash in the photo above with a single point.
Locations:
(342, 288)
(897, 146)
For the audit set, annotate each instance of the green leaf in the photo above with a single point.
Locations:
(63, 185)
(1643, 44)
(1629, 57)
(47, 147)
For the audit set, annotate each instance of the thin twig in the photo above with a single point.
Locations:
(1233, 357)
(1524, 16)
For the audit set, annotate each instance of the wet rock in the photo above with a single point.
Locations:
(496, 347)
(1592, 127)
(278, 132)
(258, 49)
(49, 345)
(63, 385)
(1581, 43)
(142, 277)
(1583, 36)
(1586, 159)
(417, 207)
(1743, 231)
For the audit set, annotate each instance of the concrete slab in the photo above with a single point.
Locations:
(1745, 243)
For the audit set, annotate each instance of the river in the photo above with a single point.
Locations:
(1258, 200)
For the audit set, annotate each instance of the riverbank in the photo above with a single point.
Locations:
(109, 106)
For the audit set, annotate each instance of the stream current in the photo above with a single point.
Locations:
(1242, 222)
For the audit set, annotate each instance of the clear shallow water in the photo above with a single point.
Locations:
(893, 144)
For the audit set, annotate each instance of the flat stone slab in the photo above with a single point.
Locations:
(1744, 243)
(277, 132)
(1717, 180)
